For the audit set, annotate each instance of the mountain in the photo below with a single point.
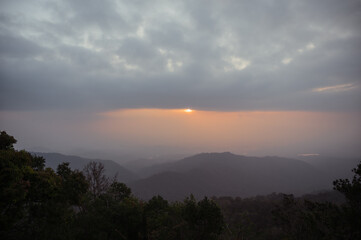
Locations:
(111, 168)
(227, 174)
(333, 167)
(139, 165)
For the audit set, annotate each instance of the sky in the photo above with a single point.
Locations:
(105, 78)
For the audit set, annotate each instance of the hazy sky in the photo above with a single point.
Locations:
(264, 77)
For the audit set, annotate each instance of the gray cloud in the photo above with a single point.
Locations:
(215, 55)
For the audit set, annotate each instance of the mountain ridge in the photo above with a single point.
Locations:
(213, 174)
(75, 162)
(230, 174)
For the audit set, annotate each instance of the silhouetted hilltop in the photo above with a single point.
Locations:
(111, 167)
(227, 174)
(219, 174)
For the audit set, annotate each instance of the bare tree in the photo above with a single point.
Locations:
(95, 175)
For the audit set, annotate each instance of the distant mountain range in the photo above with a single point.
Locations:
(111, 168)
(227, 174)
(222, 174)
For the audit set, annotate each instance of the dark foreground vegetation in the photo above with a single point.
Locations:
(40, 203)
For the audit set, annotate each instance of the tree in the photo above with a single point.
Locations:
(315, 220)
(119, 191)
(73, 184)
(204, 218)
(351, 189)
(36, 203)
(158, 220)
(352, 209)
(40, 203)
(6, 141)
(95, 175)
(113, 214)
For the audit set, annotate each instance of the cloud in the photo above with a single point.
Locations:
(236, 64)
(336, 88)
(286, 61)
(229, 55)
(308, 154)
(310, 46)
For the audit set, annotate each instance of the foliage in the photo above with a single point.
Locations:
(36, 203)
(312, 220)
(40, 203)
(6, 141)
(352, 209)
(204, 219)
(250, 218)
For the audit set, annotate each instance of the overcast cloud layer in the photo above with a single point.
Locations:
(211, 55)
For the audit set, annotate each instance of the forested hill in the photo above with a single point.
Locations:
(215, 174)
(111, 168)
(227, 174)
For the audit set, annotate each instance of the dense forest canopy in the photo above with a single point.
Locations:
(42, 203)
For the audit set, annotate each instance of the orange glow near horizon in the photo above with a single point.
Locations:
(218, 131)
(242, 132)
(188, 110)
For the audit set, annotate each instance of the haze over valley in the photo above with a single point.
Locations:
(221, 174)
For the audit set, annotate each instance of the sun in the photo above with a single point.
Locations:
(188, 110)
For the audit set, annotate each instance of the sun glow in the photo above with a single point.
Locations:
(188, 110)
